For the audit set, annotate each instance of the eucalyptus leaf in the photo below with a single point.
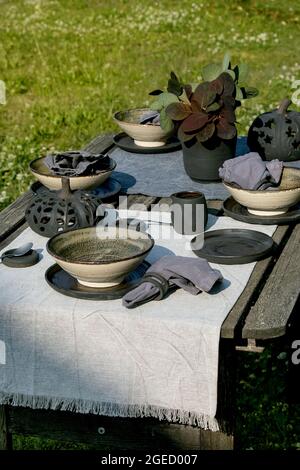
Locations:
(163, 100)
(213, 107)
(226, 62)
(211, 71)
(166, 123)
(156, 92)
(231, 73)
(174, 85)
(239, 94)
(249, 92)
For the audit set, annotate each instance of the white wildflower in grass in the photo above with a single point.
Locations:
(2, 92)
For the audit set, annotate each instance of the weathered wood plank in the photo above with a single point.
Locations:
(14, 215)
(232, 325)
(5, 436)
(268, 318)
(101, 144)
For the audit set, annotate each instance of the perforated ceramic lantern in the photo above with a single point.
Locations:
(52, 212)
(276, 134)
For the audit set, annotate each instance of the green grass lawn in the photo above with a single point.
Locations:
(69, 64)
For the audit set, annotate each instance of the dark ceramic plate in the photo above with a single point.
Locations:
(67, 285)
(25, 261)
(236, 211)
(125, 142)
(233, 246)
(110, 188)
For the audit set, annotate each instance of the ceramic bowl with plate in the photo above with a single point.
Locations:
(53, 181)
(100, 257)
(144, 135)
(274, 201)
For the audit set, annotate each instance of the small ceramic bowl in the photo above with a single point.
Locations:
(144, 135)
(273, 201)
(53, 182)
(100, 257)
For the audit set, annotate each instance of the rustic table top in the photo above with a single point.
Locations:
(265, 308)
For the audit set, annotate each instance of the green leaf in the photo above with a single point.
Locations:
(249, 92)
(163, 100)
(156, 105)
(239, 94)
(174, 85)
(166, 123)
(213, 107)
(178, 111)
(226, 61)
(211, 72)
(184, 97)
(243, 72)
(155, 92)
(231, 73)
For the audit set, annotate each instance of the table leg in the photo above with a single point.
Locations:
(5, 436)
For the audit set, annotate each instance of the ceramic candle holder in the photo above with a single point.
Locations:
(189, 212)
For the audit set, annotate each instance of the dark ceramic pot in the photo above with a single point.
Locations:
(203, 160)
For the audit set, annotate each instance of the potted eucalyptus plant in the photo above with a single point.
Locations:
(204, 116)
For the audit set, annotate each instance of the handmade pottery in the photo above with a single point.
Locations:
(189, 212)
(52, 212)
(98, 256)
(53, 182)
(144, 135)
(273, 201)
(125, 142)
(203, 160)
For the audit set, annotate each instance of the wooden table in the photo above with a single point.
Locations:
(264, 312)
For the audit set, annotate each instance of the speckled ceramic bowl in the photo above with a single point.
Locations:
(270, 202)
(99, 257)
(53, 182)
(144, 135)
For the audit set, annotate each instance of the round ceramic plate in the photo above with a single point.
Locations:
(233, 246)
(110, 188)
(125, 142)
(25, 261)
(65, 284)
(236, 211)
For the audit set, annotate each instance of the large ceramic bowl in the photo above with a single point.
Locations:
(100, 257)
(144, 135)
(273, 201)
(53, 182)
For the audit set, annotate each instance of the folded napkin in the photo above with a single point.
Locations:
(150, 117)
(191, 274)
(75, 163)
(251, 172)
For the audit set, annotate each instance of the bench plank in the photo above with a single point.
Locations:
(107, 433)
(268, 318)
(232, 325)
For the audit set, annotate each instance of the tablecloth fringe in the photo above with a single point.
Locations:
(111, 409)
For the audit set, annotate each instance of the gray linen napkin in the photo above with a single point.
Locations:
(191, 274)
(251, 172)
(150, 117)
(75, 163)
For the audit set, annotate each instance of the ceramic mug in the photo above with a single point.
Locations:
(189, 212)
